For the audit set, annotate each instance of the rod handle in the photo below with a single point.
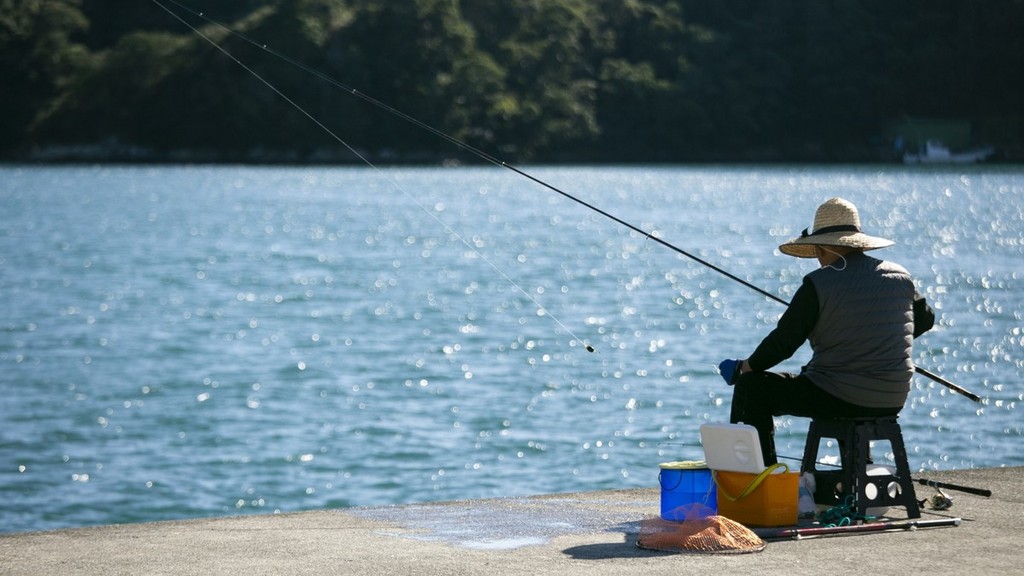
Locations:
(948, 384)
(976, 491)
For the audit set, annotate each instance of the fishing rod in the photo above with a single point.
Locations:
(541, 309)
(816, 531)
(462, 145)
(948, 384)
(488, 158)
(967, 489)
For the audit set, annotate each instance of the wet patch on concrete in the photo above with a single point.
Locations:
(506, 524)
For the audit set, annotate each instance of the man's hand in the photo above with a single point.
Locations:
(730, 370)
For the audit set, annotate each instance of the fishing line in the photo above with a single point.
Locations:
(493, 160)
(453, 140)
(540, 308)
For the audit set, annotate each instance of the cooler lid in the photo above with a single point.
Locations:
(732, 448)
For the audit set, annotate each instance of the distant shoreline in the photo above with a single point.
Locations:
(137, 155)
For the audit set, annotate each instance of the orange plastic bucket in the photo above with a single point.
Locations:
(766, 499)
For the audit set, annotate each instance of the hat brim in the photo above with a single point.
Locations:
(803, 246)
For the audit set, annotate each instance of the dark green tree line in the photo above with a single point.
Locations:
(528, 80)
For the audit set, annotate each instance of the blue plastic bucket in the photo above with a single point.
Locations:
(687, 491)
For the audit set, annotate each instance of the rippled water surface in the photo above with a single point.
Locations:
(197, 341)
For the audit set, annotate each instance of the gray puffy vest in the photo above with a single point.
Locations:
(862, 341)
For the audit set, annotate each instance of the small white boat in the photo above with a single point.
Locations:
(934, 152)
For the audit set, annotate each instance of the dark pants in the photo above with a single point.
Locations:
(760, 395)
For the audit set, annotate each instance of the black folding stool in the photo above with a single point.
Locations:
(854, 436)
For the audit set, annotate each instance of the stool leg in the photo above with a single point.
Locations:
(888, 430)
(863, 433)
(825, 480)
(810, 460)
(907, 494)
(851, 450)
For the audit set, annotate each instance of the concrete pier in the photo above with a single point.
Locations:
(590, 534)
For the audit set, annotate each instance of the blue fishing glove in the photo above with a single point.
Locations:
(730, 370)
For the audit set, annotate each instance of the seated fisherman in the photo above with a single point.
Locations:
(860, 315)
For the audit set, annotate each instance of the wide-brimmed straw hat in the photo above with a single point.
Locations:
(836, 223)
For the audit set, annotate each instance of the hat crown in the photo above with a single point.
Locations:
(836, 212)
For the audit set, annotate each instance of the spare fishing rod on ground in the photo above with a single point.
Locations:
(945, 485)
(487, 157)
(817, 531)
